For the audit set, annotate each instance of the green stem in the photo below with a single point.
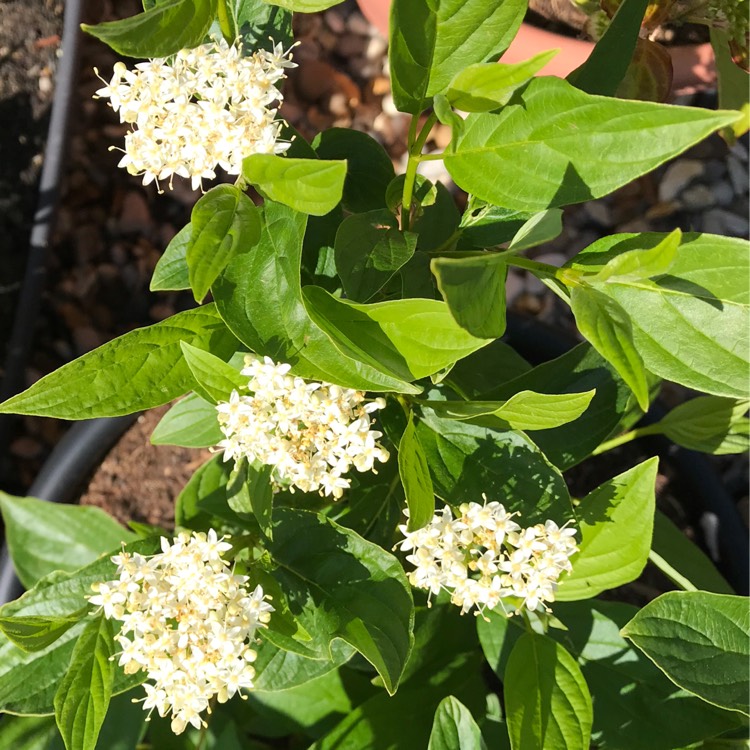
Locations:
(416, 144)
(568, 276)
(674, 575)
(626, 437)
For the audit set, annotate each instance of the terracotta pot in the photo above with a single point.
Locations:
(693, 65)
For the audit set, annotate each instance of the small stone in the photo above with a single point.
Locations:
(698, 197)
(719, 221)
(738, 175)
(740, 151)
(45, 84)
(376, 48)
(314, 80)
(679, 174)
(599, 211)
(514, 286)
(134, 214)
(161, 311)
(337, 105)
(25, 448)
(358, 25)
(714, 170)
(389, 108)
(351, 46)
(723, 193)
(334, 21)
(86, 338)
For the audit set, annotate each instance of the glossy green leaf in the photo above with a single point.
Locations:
(542, 227)
(642, 264)
(732, 86)
(190, 423)
(204, 498)
(306, 6)
(635, 705)
(431, 41)
(709, 424)
(369, 169)
(142, 369)
(484, 225)
(609, 329)
(215, 379)
(616, 523)
(82, 699)
(486, 86)
(454, 728)
(260, 298)
(415, 478)
(355, 590)
(256, 21)
(683, 556)
(605, 67)
(255, 495)
(369, 250)
(525, 410)
(43, 537)
(171, 25)
(437, 224)
(29, 681)
(474, 290)
(579, 370)
(224, 222)
(692, 325)
(313, 186)
(36, 632)
(555, 145)
(467, 460)
(413, 338)
(480, 372)
(547, 701)
(171, 272)
(701, 641)
(28, 733)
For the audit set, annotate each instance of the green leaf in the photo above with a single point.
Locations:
(525, 410)
(691, 326)
(413, 338)
(82, 699)
(355, 590)
(415, 477)
(579, 370)
(484, 225)
(467, 460)
(257, 21)
(140, 370)
(555, 145)
(306, 6)
(605, 67)
(701, 641)
(255, 495)
(635, 705)
(480, 372)
(313, 186)
(732, 85)
(431, 41)
(486, 86)
(28, 732)
(203, 499)
(43, 537)
(260, 298)
(29, 681)
(709, 424)
(695, 569)
(616, 523)
(454, 728)
(547, 701)
(35, 632)
(171, 272)
(607, 326)
(369, 169)
(215, 379)
(168, 27)
(190, 423)
(540, 228)
(474, 290)
(369, 250)
(642, 264)
(224, 221)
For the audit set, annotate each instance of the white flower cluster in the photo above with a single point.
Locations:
(311, 433)
(187, 621)
(206, 107)
(519, 564)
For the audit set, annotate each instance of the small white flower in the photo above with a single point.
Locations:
(187, 622)
(311, 433)
(207, 107)
(522, 564)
